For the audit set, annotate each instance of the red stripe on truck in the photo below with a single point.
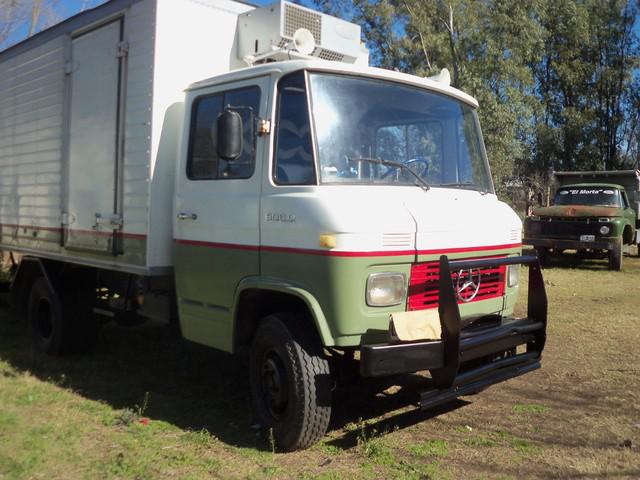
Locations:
(339, 253)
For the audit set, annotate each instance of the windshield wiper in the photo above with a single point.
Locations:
(466, 185)
(390, 163)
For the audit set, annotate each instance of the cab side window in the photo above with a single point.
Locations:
(625, 200)
(203, 162)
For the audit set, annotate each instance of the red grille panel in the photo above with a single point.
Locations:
(423, 285)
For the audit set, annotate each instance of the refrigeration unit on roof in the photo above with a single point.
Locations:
(285, 30)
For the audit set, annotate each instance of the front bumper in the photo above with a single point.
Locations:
(466, 361)
(570, 244)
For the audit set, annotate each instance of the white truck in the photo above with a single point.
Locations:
(293, 204)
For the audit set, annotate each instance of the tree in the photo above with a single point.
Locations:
(28, 15)
(557, 82)
(488, 45)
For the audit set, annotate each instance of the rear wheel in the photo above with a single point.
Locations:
(48, 329)
(615, 256)
(290, 381)
(62, 321)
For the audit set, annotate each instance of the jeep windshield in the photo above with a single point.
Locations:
(412, 131)
(588, 195)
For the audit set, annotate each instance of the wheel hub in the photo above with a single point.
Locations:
(274, 383)
(45, 325)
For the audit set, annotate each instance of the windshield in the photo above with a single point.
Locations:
(601, 196)
(430, 135)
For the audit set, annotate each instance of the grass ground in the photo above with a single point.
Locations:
(144, 407)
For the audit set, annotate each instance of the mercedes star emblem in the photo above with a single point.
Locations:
(468, 284)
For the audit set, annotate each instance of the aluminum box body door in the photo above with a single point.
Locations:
(95, 91)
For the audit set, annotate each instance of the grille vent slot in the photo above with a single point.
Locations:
(397, 239)
(295, 18)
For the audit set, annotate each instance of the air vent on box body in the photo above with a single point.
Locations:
(325, 54)
(296, 18)
(269, 33)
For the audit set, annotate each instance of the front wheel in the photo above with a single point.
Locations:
(615, 256)
(290, 381)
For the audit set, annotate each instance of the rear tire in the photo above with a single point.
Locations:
(290, 381)
(615, 256)
(63, 322)
(49, 332)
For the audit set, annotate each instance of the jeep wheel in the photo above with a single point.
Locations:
(290, 382)
(615, 256)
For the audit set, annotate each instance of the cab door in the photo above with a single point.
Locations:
(217, 211)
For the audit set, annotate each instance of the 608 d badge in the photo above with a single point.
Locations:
(280, 217)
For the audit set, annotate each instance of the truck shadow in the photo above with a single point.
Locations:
(149, 368)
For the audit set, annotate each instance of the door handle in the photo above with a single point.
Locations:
(187, 216)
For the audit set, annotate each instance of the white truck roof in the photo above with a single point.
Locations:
(283, 68)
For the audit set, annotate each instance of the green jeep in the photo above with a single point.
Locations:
(596, 219)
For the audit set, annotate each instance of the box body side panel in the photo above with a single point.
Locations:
(35, 106)
(32, 95)
(194, 41)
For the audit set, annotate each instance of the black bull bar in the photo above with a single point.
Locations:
(468, 360)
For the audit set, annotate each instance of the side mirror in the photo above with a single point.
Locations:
(230, 135)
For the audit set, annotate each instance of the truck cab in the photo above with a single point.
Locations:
(320, 203)
(595, 219)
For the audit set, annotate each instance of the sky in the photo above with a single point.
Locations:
(68, 8)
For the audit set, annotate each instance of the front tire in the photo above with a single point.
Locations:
(290, 381)
(615, 256)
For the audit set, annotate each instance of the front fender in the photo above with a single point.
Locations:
(282, 286)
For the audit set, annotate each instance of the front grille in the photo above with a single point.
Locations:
(423, 285)
(568, 228)
(568, 219)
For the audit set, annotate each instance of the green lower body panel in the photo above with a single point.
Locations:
(206, 279)
(208, 275)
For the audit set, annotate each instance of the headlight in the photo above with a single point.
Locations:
(513, 271)
(385, 289)
(604, 230)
